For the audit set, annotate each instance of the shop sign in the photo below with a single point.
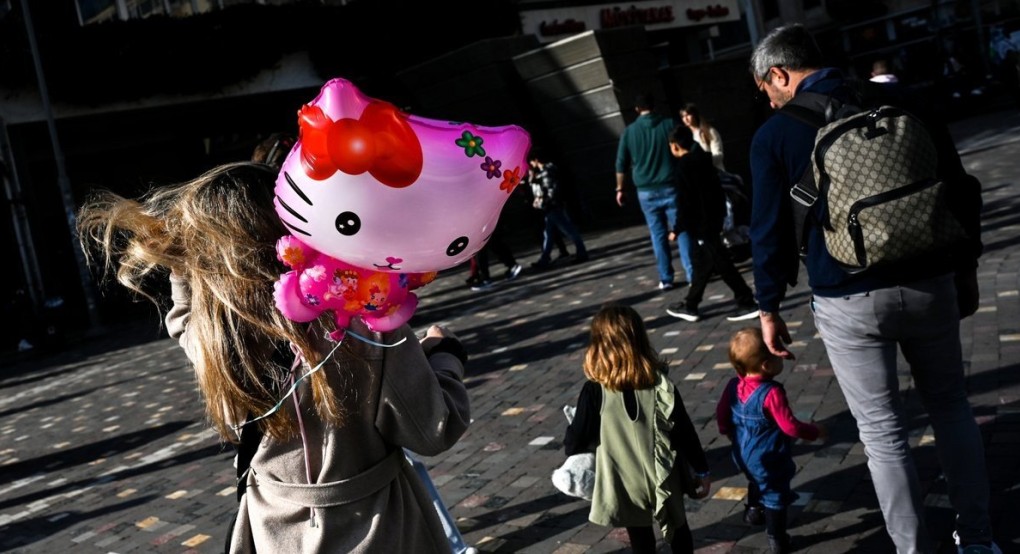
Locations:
(557, 23)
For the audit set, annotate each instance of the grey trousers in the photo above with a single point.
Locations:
(861, 334)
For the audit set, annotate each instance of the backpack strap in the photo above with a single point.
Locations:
(815, 110)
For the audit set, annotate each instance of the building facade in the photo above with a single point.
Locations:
(130, 94)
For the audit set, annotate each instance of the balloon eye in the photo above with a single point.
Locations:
(457, 246)
(348, 223)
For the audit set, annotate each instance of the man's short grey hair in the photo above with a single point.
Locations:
(789, 47)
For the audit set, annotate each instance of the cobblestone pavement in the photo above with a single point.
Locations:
(103, 447)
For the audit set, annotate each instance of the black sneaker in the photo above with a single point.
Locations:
(579, 259)
(483, 285)
(754, 515)
(744, 312)
(681, 310)
(513, 272)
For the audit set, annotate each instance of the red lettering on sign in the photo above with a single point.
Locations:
(618, 17)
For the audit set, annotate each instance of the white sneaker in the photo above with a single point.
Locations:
(744, 312)
(681, 311)
(665, 285)
(975, 548)
(484, 285)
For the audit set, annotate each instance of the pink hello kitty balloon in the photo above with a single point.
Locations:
(319, 283)
(383, 190)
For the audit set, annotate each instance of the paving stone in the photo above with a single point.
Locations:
(111, 433)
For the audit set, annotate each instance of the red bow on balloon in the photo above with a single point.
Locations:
(381, 143)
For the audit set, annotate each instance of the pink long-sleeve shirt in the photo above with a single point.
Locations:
(776, 406)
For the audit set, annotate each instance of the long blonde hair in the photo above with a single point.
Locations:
(620, 355)
(218, 233)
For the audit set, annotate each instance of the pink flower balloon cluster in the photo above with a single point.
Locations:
(319, 283)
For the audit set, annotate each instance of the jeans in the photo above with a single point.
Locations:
(861, 333)
(557, 218)
(500, 249)
(659, 207)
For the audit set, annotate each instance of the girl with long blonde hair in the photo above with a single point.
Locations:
(329, 472)
(632, 417)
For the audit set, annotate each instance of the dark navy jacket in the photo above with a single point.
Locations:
(780, 152)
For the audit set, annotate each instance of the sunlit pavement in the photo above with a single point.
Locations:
(103, 447)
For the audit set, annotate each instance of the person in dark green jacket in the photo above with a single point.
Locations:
(644, 152)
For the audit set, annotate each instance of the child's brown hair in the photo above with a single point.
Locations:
(620, 355)
(748, 353)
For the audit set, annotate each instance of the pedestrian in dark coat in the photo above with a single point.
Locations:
(702, 209)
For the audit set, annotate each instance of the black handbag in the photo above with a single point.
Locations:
(251, 436)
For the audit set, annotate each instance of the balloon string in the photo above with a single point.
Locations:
(304, 448)
(373, 343)
(295, 383)
(297, 360)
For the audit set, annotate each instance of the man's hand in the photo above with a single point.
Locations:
(672, 236)
(621, 181)
(776, 335)
(967, 293)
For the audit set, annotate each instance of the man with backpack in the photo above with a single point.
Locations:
(890, 291)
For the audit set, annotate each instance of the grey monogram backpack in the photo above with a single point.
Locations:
(876, 170)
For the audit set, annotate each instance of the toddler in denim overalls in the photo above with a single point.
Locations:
(755, 414)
